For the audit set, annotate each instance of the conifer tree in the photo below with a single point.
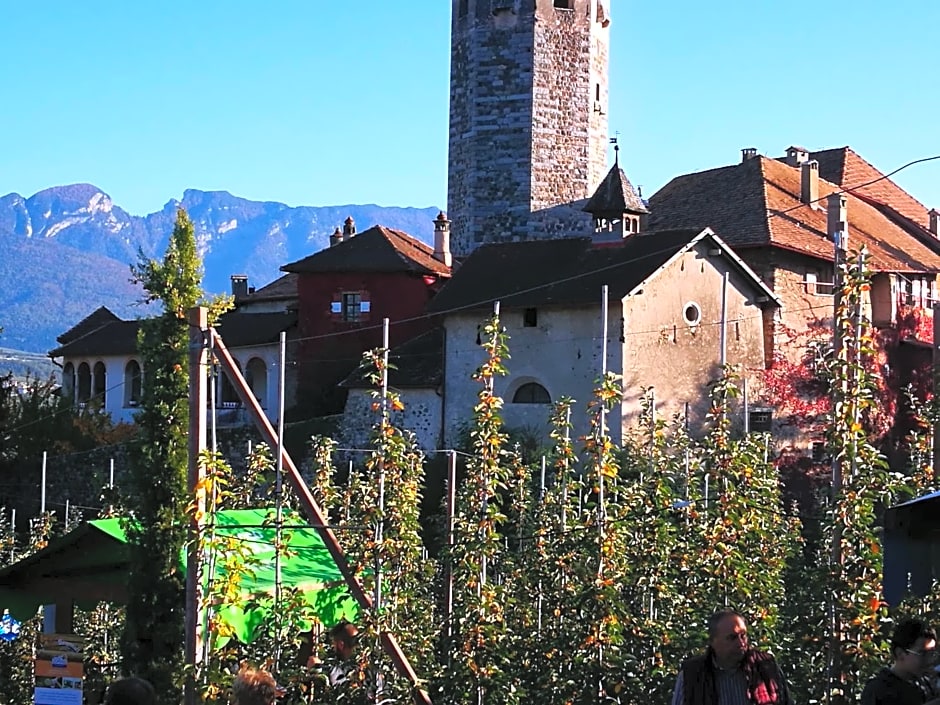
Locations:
(157, 494)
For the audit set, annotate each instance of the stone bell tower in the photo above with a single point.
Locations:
(528, 118)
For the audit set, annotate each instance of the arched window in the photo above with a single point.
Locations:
(99, 385)
(531, 393)
(68, 382)
(132, 381)
(84, 383)
(256, 375)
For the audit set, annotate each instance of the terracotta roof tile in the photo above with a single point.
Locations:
(757, 203)
(378, 249)
(844, 167)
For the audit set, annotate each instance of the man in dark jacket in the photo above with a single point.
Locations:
(729, 672)
(908, 680)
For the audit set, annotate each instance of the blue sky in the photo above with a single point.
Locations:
(319, 102)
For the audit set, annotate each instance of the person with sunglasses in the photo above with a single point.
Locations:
(909, 679)
(730, 672)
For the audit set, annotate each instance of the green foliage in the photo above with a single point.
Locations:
(157, 493)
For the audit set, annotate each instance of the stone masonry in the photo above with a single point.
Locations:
(528, 118)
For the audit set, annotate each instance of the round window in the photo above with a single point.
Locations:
(692, 314)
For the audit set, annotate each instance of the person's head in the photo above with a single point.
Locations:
(254, 686)
(913, 647)
(727, 637)
(130, 691)
(344, 637)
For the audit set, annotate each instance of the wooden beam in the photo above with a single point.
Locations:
(314, 514)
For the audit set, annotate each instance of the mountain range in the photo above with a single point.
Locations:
(68, 249)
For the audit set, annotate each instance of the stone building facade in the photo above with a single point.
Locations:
(528, 118)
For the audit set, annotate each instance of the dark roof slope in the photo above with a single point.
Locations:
(563, 272)
(237, 330)
(242, 329)
(281, 288)
(417, 363)
(757, 203)
(99, 317)
(378, 249)
(615, 194)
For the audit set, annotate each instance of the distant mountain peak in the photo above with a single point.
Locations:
(92, 241)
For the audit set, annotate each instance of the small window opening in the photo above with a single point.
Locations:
(692, 313)
(819, 451)
(531, 393)
(597, 92)
(760, 420)
(563, 4)
(352, 306)
(530, 318)
(462, 8)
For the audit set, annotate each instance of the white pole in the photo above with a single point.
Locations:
(42, 496)
(747, 411)
(111, 475)
(279, 487)
(380, 520)
(12, 535)
(723, 355)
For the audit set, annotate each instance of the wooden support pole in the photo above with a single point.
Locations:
(316, 516)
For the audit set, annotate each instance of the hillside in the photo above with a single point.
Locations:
(67, 249)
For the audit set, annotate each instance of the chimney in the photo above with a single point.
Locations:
(934, 218)
(442, 240)
(797, 155)
(748, 153)
(239, 285)
(336, 237)
(349, 228)
(809, 183)
(837, 219)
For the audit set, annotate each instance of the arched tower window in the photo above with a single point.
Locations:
(84, 383)
(68, 382)
(256, 375)
(531, 393)
(132, 383)
(99, 385)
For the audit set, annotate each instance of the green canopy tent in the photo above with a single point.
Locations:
(89, 565)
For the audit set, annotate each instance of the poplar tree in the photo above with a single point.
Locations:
(157, 494)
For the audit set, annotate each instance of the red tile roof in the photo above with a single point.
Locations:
(843, 167)
(378, 249)
(757, 203)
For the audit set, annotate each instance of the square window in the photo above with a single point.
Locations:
(530, 317)
(760, 420)
(352, 306)
(336, 307)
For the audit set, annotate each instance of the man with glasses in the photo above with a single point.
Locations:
(730, 672)
(909, 680)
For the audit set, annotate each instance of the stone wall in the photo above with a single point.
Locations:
(421, 416)
(528, 119)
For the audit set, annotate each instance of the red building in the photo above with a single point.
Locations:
(345, 292)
